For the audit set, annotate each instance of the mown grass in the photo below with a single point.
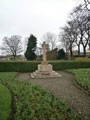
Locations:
(34, 103)
(5, 102)
(82, 77)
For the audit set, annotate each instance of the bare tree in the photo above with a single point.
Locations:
(87, 29)
(77, 30)
(81, 18)
(12, 45)
(80, 30)
(68, 37)
(70, 34)
(63, 40)
(87, 4)
(50, 39)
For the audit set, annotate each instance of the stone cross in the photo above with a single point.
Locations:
(44, 54)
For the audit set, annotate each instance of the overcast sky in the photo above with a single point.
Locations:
(23, 17)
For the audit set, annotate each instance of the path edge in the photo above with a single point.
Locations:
(77, 84)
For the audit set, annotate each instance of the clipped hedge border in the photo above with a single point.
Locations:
(70, 65)
(32, 66)
(18, 66)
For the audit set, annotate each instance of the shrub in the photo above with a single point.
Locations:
(32, 66)
(61, 54)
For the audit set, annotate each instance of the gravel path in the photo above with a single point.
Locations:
(64, 88)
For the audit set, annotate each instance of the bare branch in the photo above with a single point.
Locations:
(50, 39)
(12, 45)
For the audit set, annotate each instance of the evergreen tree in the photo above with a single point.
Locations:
(61, 54)
(31, 48)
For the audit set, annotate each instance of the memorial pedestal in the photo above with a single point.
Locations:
(45, 71)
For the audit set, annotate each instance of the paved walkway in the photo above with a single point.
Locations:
(65, 89)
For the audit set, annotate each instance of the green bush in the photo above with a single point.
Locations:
(61, 54)
(32, 66)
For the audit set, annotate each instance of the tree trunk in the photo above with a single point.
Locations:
(78, 50)
(84, 50)
(71, 53)
(14, 57)
(89, 44)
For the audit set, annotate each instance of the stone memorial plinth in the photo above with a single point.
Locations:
(45, 70)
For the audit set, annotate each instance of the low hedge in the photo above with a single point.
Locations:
(18, 66)
(70, 65)
(32, 66)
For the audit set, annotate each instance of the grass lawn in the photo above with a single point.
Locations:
(5, 102)
(82, 77)
(31, 102)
